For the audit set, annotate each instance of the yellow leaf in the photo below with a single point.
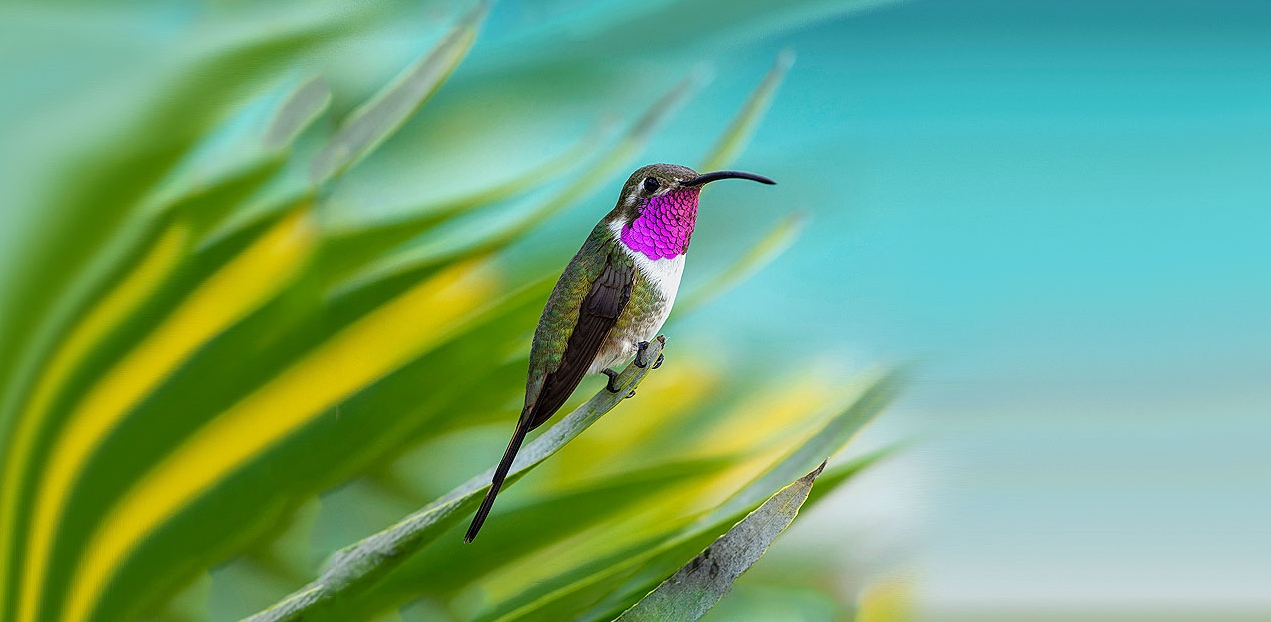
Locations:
(226, 297)
(134, 289)
(359, 354)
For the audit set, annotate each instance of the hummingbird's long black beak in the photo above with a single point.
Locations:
(718, 175)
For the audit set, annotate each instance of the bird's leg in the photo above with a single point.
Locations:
(613, 375)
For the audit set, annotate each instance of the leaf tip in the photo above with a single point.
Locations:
(785, 60)
(817, 471)
(477, 14)
(300, 109)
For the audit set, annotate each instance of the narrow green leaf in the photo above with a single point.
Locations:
(212, 205)
(301, 108)
(760, 255)
(826, 442)
(739, 132)
(359, 566)
(351, 248)
(597, 579)
(376, 120)
(697, 586)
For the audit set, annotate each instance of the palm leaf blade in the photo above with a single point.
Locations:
(697, 586)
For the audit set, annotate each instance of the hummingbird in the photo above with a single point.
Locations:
(612, 298)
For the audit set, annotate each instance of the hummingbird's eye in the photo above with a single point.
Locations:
(650, 184)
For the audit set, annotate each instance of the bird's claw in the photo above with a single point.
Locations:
(658, 363)
(631, 394)
(613, 376)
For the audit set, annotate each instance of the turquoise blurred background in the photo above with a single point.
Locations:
(1056, 212)
(1059, 211)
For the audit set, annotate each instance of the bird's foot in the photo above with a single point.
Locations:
(639, 359)
(613, 376)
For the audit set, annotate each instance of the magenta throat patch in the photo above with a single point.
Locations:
(664, 228)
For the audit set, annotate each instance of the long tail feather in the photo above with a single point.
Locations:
(505, 465)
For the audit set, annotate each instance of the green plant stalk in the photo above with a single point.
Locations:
(357, 567)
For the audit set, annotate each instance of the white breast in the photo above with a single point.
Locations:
(663, 273)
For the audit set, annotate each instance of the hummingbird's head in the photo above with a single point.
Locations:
(657, 210)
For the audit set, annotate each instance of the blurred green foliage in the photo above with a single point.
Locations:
(238, 335)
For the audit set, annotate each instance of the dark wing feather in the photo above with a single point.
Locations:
(596, 316)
